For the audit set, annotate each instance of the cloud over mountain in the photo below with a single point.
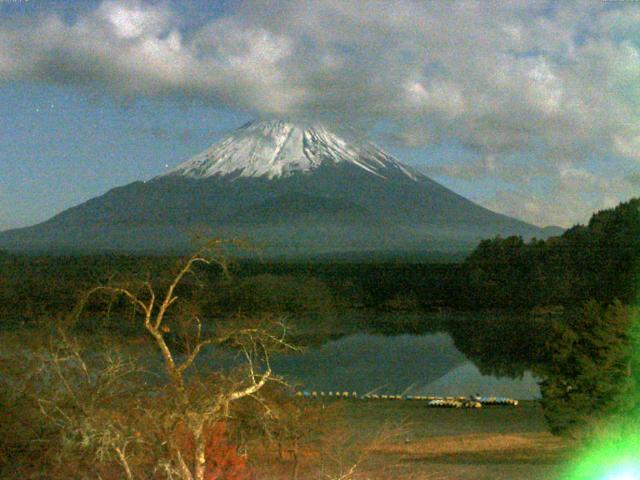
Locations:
(558, 80)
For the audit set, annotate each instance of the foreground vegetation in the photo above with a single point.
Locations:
(136, 407)
(277, 437)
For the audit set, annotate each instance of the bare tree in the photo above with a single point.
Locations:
(179, 417)
(88, 399)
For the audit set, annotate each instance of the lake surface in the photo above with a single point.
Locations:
(457, 355)
(464, 355)
(428, 364)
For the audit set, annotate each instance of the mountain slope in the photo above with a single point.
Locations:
(298, 189)
(297, 208)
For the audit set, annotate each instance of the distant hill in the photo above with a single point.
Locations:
(552, 231)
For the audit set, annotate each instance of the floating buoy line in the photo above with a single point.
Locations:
(474, 401)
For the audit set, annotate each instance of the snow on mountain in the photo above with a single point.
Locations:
(276, 148)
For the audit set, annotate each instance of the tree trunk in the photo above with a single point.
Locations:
(201, 460)
(296, 462)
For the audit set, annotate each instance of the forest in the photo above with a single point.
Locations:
(596, 261)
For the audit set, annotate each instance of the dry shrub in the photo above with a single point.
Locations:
(222, 459)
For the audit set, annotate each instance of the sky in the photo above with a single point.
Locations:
(530, 108)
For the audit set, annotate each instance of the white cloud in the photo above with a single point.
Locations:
(493, 166)
(533, 208)
(495, 77)
(133, 19)
(571, 197)
(437, 96)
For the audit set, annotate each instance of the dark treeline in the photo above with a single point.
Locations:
(598, 262)
(39, 287)
(44, 287)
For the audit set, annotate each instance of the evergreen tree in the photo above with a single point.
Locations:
(589, 377)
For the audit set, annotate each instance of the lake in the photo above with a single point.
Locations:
(427, 364)
(371, 352)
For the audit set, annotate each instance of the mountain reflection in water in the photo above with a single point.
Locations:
(460, 355)
(414, 364)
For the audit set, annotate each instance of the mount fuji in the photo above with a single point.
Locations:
(296, 189)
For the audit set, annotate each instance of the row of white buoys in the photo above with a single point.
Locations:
(495, 400)
(474, 401)
(315, 394)
(375, 396)
(454, 403)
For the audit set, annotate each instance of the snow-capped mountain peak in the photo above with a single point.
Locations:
(277, 148)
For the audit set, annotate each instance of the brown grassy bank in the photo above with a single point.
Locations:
(407, 440)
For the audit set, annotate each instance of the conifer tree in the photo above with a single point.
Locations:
(590, 376)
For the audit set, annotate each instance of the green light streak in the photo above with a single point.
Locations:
(609, 460)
